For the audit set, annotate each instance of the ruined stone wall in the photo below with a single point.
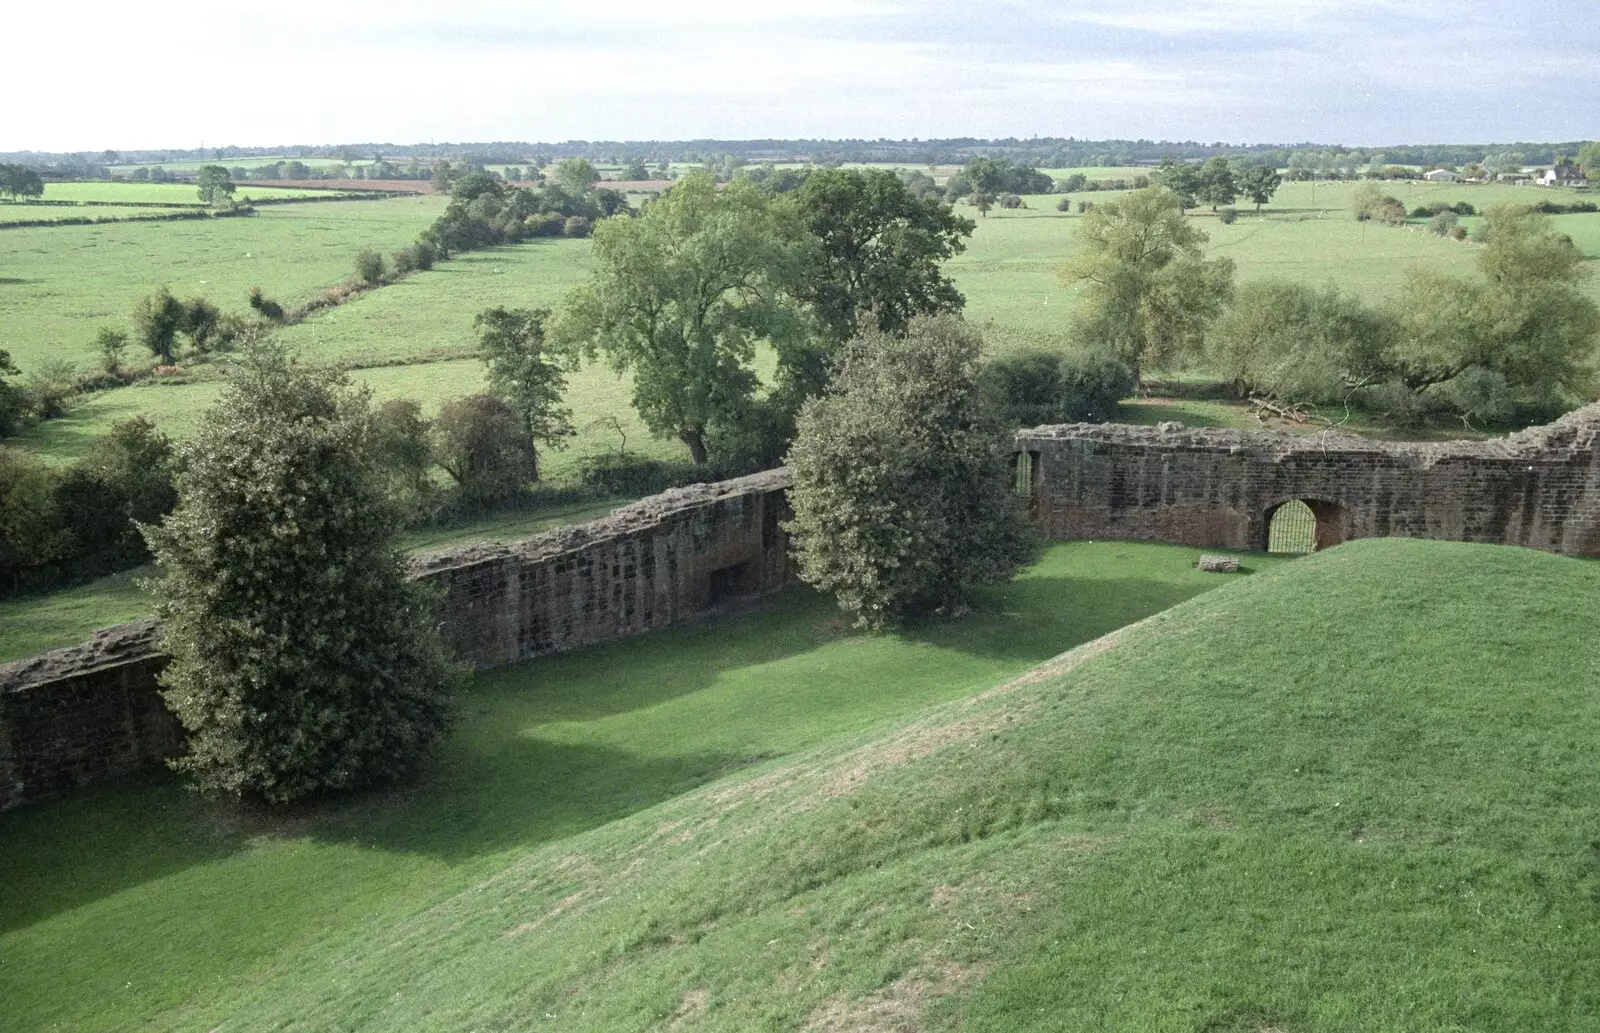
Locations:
(1218, 488)
(81, 715)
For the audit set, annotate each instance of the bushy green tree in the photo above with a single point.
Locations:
(480, 442)
(576, 176)
(31, 535)
(302, 660)
(902, 499)
(1037, 386)
(13, 404)
(19, 181)
(879, 254)
(526, 373)
(214, 184)
(1183, 179)
(157, 318)
(1299, 343)
(1217, 186)
(1259, 183)
(681, 295)
(1149, 291)
(369, 267)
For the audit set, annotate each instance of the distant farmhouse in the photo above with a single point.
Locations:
(1442, 176)
(1565, 174)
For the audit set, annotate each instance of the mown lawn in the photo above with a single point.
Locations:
(141, 906)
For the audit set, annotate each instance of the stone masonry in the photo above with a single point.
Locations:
(76, 716)
(1219, 488)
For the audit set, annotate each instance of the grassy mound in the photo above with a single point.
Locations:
(1356, 792)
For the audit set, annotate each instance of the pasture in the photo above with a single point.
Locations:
(773, 822)
(545, 752)
(58, 285)
(168, 193)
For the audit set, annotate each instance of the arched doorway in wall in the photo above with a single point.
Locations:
(1300, 526)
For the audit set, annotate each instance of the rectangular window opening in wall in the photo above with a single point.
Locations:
(727, 584)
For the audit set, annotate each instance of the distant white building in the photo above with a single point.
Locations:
(1441, 176)
(1564, 175)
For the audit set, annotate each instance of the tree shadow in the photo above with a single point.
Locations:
(16, 281)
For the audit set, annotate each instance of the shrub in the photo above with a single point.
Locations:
(401, 262)
(1009, 201)
(110, 344)
(1064, 205)
(403, 451)
(30, 528)
(480, 442)
(1228, 216)
(1458, 233)
(1443, 223)
(544, 224)
(125, 480)
(617, 473)
(577, 226)
(1037, 387)
(302, 662)
(13, 404)
(1481, 394)
(51, 388)
(268, 308)
(157, 320)
(901, 494)
(369, 267)
(423, 255)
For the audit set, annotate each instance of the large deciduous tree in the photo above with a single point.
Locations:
(679, 298)
(157, 318)
(1259, 183)
(302, 659)
(214, 184)
(901, 496)
(576, 176)
(1149, 291)
(878, 257)
(1217, 185)
(526, 373)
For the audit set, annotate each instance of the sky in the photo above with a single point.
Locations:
(1357, 72)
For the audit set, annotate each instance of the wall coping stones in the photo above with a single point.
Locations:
(118, 644)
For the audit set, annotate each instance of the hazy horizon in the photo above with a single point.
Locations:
(1366, 73)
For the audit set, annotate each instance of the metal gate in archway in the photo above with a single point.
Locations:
(1293, 529)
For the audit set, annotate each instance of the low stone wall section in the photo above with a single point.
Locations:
(1218, 488)
(76, 716)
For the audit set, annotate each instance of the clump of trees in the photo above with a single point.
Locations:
(19, 181)
(995, 176)
(1519, 335)
(901, 496)
(1036, 386)
(302, 659)
(82, 521)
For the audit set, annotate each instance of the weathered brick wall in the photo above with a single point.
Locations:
(1218, 488)
(80, 715)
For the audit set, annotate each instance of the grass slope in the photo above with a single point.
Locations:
(140, 906)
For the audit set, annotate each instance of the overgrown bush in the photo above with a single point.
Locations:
(1443, 223)
(577, 226)
(369, 267)
(1037, 387)
(31, 536)
(405, 455)
(480, 442)
(1228, 216)
(51, 388)
(301, 658)
(544, 224)
(902, 498)
(110, 344)
(1064, 205)
(1009, 201)
(268, 308)
(619, 473)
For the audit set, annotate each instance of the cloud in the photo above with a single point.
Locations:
(1352, 71)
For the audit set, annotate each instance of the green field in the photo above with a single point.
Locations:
(105, 212)
(1354, 792)
(170, 193)
(57, 286)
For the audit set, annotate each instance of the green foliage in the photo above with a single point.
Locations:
(1038, 387)
(481, 442)
(401, 440)
(1443, 224)
(13, 404)
(680, 296)
(527, 374)
(214, 184)
(878, 255)
(1182, 179)
(19, 181)
(1298, 343)
(157, 319)
(127, 479)
(302, 660)
(268, 308)
(1149, 292)
(200, 322)
(901, 496)
(31, 535)
(1259, 183)
(576, 176)
(110, 344)
(1369, 202)
(369, 267)
(1216, 185)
